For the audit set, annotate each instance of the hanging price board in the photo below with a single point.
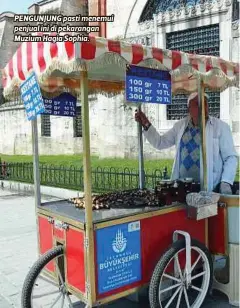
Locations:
(32, 97)
(63, 105)
(145, 85)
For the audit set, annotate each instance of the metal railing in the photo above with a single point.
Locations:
(103, 179)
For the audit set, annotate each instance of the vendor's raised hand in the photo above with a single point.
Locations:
(142, 119)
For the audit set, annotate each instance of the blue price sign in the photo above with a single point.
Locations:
(145, 85)
(32, 97)
(118, 256)
(63, 105)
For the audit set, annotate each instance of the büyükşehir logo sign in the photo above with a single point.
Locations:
(118, 256)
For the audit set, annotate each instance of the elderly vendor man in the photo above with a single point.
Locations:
(185, 135)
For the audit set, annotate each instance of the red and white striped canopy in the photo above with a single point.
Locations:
(58, 65)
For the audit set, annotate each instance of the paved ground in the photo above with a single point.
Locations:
(18, 244)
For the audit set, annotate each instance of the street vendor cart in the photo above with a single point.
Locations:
(100, 248)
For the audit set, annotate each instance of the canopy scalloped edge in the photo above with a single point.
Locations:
(184, 68)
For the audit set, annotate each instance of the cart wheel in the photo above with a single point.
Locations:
(168, 287)
(41, 289)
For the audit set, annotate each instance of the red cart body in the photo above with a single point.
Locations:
(156, 235)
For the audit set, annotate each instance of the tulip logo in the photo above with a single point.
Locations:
(120, 242)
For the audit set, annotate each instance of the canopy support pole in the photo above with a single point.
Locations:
(89, 240)
(140, 156)
(202, 121)
(36, 173)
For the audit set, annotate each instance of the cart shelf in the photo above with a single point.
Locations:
(65, 209)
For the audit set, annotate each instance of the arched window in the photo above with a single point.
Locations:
(157, 6)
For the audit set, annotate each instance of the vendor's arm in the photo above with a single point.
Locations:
(159, 142)
(229, 155)
(165, 141)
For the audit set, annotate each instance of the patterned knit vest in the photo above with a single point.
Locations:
(190, 153)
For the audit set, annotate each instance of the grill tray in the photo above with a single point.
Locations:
(121, 200)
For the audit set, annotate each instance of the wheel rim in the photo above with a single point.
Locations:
(173, 289)
(49, 291)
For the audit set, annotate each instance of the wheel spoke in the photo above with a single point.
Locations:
(170, 288)
(172, 298)
(47, 279)
(198, 275)
(42, 295)
(195, 263)
(179, 298)
(59, 274)
(186, 297)
(171, 277)
(178, 267)
(56, 300)
(63, 300)
(197, 289)
(69, 301)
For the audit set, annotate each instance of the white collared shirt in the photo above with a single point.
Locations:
(222, 158)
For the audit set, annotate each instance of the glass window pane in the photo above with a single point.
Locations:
(77, 123)
(45, 125)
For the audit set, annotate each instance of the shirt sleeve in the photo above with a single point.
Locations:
(165, 141)
(228, 154)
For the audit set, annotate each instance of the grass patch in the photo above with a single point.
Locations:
(77, 161)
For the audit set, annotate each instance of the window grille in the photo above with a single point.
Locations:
(235, 10)
(45, 125)
(204, 40)
(77, 123)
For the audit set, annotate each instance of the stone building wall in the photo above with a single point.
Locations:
(15, 134)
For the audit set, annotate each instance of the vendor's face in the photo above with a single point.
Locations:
(194, 110)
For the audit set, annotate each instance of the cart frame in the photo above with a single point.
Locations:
(91, 279)
(89, 227)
